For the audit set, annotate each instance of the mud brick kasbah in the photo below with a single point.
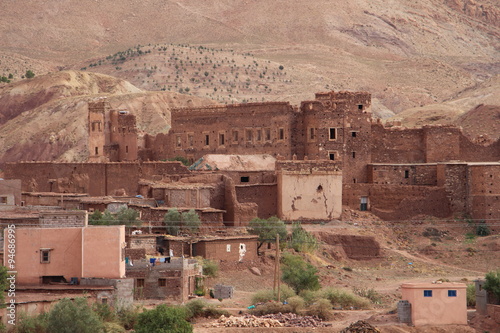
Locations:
(393, 171)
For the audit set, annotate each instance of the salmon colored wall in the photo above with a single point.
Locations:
(99, 257)
(440, 309)
(102, 256)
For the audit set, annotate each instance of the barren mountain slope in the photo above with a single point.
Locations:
(406, 53)
(49, 114)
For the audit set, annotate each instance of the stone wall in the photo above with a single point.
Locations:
(230, 249)
(264, 195)
(402, 174)
(58, 219)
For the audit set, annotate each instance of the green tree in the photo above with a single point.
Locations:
(267, 229)
(298, 274)
(29, 74)
(98, 218)
(70, 316)
(301, 240)
(163, 319)
(186, 222)
(492, 284)
(95, 218)
(172, 220)
(128, 217)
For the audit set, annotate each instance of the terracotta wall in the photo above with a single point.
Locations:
(264, 195)
(227, 250)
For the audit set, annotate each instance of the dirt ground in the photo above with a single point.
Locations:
(421, 250)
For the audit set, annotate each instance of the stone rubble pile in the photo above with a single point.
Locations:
(271, 320)
(360, 327)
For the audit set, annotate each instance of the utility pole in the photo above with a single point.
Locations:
(277, 280)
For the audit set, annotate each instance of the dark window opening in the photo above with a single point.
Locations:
(427, 293)
(311, 133)
(331, 156)
(360, 106)
(268, 134)
(407, 174)
(282, 133)
(53, 279)
(97, 150)
(452, 293)
(235, 136)
(104, 300)
(259, 135)
(353, 134)
(249, 135)
(162, 282)
(364, 204)
(45, 256)
(221, 139)
(354, 180)
(3, 200)
(245, 179)
(126, 149)
(353, 154)
(333, 133)
(139, 283)
(207, 139)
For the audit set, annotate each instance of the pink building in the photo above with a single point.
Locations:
(48, 255)
(436, 303)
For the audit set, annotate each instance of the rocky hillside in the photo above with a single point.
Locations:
(45, 118)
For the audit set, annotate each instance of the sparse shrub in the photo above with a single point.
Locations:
(299, 274)
(29, 74)
(296, 303)
(128, 217)
(321, 308)
(210, 268)
(344, 298)
(370, 293)
(483, 230)
(267, 295)
(471, 295)
(269, 308)
(195, 308)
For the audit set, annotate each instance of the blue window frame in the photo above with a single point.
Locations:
(427, 293)
(452, 293)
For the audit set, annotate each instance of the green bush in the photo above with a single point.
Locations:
(299, 274)
(301, 240)
(113, 328)
(371, 294)
(195, 308)
(105, 312)
(471, 295)
(267, 295)
(344, 298)
(296, 303)
(321, 308)
(69, 316)
(163, 319)
(270, 308)
(210, 268)
(483, 230)
(35, 324)
(492, 283)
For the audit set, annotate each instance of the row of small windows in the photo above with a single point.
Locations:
(451, 293)
(332, 133)
(251, 135)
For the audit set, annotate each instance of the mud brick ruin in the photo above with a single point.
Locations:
(329, 152)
